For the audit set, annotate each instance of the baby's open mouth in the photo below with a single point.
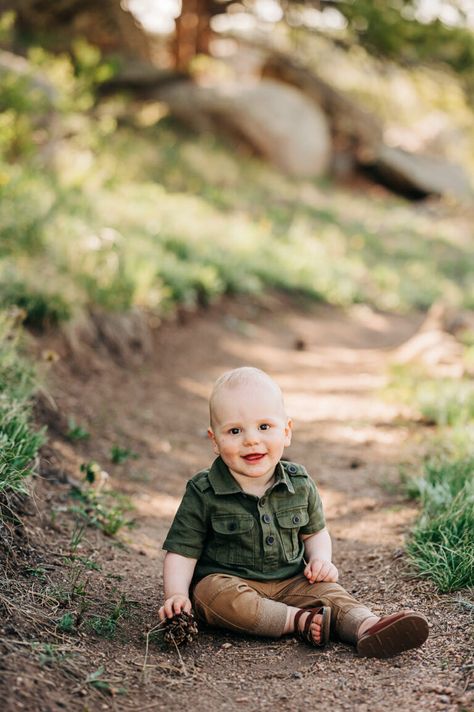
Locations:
(254, 457)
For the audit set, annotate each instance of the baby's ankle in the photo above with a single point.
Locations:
(366, 624)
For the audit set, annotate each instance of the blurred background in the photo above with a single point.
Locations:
(158, 152)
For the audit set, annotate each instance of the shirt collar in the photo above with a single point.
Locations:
(222, 481)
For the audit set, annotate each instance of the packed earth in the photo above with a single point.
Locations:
(332, 367)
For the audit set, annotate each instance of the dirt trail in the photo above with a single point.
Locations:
(330, 366)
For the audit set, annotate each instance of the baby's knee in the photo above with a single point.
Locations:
(226, 601)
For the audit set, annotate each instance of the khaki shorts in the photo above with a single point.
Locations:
(260, 607)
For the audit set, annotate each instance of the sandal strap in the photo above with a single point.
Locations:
(305, 634)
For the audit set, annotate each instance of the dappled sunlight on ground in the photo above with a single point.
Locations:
(376, 525)
(343, 407)
(157, 505)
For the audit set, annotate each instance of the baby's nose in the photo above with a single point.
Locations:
(251, 437)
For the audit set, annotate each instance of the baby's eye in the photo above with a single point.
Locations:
(234, 431)
(264, 426)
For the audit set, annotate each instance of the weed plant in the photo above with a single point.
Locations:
(106, 511)
(19, 442)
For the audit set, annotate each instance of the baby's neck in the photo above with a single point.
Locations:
(257, 486)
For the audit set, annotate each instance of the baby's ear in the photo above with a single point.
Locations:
(211, 436)
(288, 431)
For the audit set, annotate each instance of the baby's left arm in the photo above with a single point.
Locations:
(318, 552)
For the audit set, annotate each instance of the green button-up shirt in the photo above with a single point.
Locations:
(230, 531)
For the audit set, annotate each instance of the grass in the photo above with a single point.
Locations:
(139, 213)
(19, 441)
(440, 544)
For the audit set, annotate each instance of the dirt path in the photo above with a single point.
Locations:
(330, 366)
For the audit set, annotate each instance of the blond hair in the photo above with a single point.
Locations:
(238, 377)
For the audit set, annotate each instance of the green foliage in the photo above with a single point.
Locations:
(104, 510)
(441, 401)
(19, 442)
(42, 308)
(76, 432)
(121, 454)
(67, 623)
(392, 30)
(50, 655)
(106, 626)
(146, 215)
(440, 544)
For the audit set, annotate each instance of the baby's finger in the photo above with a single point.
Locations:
(187, 607)
(161, 613)
(168, 608)
(177, 606)
(316, 570)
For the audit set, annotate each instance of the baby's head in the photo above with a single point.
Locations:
(248, 423)
(247, 381)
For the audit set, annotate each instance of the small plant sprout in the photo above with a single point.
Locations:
(66, 624)
(121, 454)
(95, 680)
(76, 432)
(91, 470)
(77, 536)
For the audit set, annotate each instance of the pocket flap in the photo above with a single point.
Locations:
(291, 518)
(232, 523)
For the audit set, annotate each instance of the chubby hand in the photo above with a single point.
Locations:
(321, 570)
(174, 605)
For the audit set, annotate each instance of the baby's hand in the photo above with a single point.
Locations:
(174, 605)
(321, 570)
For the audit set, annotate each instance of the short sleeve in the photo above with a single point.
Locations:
(316, 520)
(188, 531)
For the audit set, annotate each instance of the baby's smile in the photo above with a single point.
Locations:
(254, 456)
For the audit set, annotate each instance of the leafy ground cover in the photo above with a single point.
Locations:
(19, 440)
(121, 207)
(440, 544)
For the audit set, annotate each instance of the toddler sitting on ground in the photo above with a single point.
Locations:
(248, 548)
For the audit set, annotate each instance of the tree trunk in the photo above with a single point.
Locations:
(193, 32)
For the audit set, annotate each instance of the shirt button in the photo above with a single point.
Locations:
(262, 502)
(292, 469)
(270, 540)
(296, 519)
(267, 518)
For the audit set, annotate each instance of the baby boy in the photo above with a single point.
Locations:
(248, 548)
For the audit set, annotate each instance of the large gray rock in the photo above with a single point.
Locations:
(421, 173)
(277, 120)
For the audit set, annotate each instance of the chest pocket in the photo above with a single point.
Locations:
(290, 522)
(233, 539)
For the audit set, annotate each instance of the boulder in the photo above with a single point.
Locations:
(277, 120)
(420, 173)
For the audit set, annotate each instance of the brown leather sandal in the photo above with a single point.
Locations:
(393, 634)
(305, 634)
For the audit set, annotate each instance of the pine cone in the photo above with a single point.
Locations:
(180, 629)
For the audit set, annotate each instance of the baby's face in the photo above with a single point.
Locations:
(250, 429)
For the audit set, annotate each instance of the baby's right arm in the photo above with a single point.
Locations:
(177, 576)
